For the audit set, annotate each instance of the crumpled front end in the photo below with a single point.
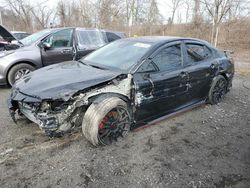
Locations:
(59, 115)
(55, 117)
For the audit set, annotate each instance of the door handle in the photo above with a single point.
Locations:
(183, 74)
(212, 66)
(66, 51)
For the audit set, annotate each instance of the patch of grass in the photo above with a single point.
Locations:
(241, 71)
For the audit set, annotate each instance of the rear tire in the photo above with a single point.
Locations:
(218, 90)
(106, 121)
(18, 71)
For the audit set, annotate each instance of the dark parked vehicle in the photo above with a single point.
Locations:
(122, 85)
(48, 47)
(20, 34)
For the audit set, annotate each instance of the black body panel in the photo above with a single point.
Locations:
(151, 92)
(63, 80)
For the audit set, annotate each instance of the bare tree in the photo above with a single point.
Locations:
(238, 9)
(62, 12)
(66, 12)
(187, 4)
(218, 10)
(174, 5)
(153, 17)
(42, 14)
(153, 13)
(22, 10)
(141, 12)
(196, 11)
(87, 13)
(131, 11)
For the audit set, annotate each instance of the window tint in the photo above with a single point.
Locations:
(197, 52)
(60, 39)
(169, 58)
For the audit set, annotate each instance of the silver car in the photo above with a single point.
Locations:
(46, 47)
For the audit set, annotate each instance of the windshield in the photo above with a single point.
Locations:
(34, 37)
(121, 54)
(90, 38)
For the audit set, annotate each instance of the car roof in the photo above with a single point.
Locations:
(78, 28)
(14, 32)
(113, 31)
(161, 39)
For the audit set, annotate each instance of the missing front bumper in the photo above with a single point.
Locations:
(44, 121)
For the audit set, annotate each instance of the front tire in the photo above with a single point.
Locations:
(106, 121)
(218, 90)
(18, 71)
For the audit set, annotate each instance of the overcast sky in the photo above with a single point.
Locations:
(164, 9)
(162, 5)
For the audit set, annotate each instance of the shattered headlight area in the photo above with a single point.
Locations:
(54, 117)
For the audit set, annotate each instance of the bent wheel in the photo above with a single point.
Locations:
(107, 121)
(218, 90)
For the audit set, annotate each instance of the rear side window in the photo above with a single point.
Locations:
(169, 58)
(197, 52)
(89, 39)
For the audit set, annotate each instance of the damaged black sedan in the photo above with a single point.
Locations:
(123, 85)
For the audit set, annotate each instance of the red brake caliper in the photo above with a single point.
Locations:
(104, 120)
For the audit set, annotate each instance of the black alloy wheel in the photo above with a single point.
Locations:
(114, 125)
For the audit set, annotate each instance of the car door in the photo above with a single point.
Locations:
(160, 83)
(201, 66)
(61, 47)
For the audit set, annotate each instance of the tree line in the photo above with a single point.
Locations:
(135, 17)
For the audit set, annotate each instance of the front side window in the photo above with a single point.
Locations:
(60, 39)
(169, 58)
(147, 67)
(197, 52)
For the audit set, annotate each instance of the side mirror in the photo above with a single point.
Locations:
(46, 45)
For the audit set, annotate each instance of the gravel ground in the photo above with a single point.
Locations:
(206, 147)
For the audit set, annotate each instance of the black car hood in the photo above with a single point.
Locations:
(6, 35)
(62, 80)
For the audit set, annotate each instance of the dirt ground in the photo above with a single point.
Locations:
(206, 147)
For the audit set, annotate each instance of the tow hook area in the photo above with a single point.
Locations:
(48, 122)
(12, 115)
